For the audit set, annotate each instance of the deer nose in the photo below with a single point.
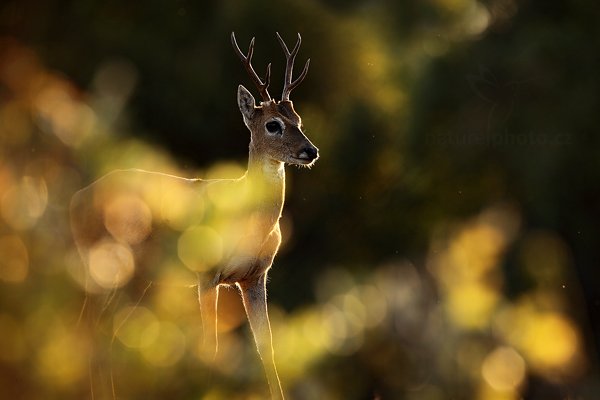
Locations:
(310, 153)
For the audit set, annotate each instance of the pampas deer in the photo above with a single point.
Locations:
(232, 240)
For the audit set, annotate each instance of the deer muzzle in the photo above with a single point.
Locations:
(308, 155)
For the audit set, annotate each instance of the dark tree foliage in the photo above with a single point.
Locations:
(445, 245)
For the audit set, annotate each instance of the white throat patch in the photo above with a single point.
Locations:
(273, 171)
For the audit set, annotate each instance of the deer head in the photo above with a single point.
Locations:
(275, 127)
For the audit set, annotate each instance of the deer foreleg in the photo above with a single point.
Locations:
(208, 294)
(254, 295)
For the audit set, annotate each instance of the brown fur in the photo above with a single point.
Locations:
(132, 209)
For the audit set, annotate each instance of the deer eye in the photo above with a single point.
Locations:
(273, 127)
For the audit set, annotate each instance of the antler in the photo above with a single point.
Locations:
(290, 57)
(246, 60)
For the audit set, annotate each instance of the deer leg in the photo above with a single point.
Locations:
(254, 295)
(208, 295)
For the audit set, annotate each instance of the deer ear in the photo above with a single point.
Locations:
(246, 102)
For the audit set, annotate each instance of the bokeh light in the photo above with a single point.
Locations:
(431, 253)
(504, 369)
(111, 264)
(200, 248)
(14, 259)
(24, 203)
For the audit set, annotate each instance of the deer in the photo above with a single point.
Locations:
(114, 218)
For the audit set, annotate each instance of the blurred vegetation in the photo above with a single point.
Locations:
(444, 246)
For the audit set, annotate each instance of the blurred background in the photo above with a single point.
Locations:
(444, 246)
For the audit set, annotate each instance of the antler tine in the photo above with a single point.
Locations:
(290, 57)
(247, 62)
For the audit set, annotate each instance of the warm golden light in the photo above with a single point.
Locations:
(168, 346)
(504, 369)
(231, 309)
(376, 305)
(476, 250)
(60, 113)
(467, 268)
(62, 359)
(136, 326)
(128, 219)
(470, 305)
(550, 341)
(180, 206)
(227, 197)
(14, 259)
(13, 343)
(24, 203)
(16, 126)
(111, 264)
(200, 248)
(477, 19)
(417, 127)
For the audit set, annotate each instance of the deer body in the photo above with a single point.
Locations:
(251, 228)
(229, 230)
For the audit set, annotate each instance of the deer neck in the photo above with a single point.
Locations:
(267, 178)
